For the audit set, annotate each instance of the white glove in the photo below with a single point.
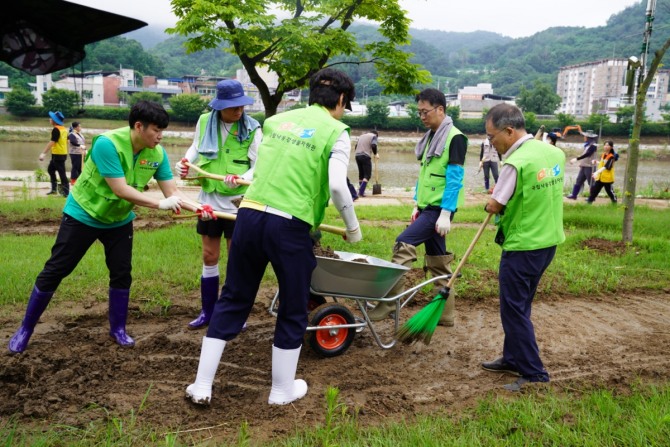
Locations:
(206, 212)
(231, 181)
(415, 214)
(353, 236)
(82, 147)
(181, 168)
(41, 157)
(573, 161)
(171, 203)
(443, 224)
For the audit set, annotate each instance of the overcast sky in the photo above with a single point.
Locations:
(516, 18)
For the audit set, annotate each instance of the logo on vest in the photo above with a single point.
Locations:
(149, 164)
(548, 173)
(296, 130)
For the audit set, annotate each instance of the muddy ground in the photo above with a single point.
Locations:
(72, 373)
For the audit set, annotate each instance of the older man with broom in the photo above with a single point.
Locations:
(529, 200)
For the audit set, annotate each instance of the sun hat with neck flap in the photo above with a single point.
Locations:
(230, 93)
(57, 117)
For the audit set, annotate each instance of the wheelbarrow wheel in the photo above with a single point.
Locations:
(330, 342)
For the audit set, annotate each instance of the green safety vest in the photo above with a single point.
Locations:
(432, 176)
(233, 158)
(291, 173)
(533, 217)
(93, 193)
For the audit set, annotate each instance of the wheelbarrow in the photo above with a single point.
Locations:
(362, 279)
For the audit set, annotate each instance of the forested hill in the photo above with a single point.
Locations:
(454, 59)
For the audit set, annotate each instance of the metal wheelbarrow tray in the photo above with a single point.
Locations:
(361, 278)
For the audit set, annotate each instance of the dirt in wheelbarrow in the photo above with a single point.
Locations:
(73, 374)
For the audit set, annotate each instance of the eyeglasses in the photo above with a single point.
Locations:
(491, 137)
(426, 112)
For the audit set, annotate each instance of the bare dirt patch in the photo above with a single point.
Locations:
(72, 373)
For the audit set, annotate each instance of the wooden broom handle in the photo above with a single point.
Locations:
(469, 250)
(230, 216)
(204, 173)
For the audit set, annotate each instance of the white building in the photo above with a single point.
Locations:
(4, 88)
(97, 88)
(599, 86)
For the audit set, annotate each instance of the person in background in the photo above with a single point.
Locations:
(57, 145)
(552, 138)
(302, 163)
(76, 149)
(439, 192)
(489, 160)
(585, 159)
(604, 175)
(100, 208)
(226, 144)
(366, 147)
(352, 190)
(528, 198)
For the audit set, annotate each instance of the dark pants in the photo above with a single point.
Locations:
(597, 187)
(261, 238)
(422, 231)
(76, 160)
(73, 241)
(584, 175)
(352, 190)
(57, 164)
(364, 167)
(519, 276)
(491, 166)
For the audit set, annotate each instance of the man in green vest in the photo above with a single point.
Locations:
(439, 193)
(118, 167)
(226, 144)
(302, 163)
(57, 145)
(529, 200)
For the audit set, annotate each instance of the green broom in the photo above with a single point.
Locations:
(422, 325)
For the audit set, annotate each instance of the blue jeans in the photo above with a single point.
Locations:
(422, 231)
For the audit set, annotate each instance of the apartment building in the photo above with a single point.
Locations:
(599, 86)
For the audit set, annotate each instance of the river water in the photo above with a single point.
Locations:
(397, 167)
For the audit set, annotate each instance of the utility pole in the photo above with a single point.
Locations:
(648, 26)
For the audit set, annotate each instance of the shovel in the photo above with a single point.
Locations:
(377, 187)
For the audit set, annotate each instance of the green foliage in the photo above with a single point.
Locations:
(625, 114)
(59, 99)
(145, 96)
(378, 114)
(187, 107)
(531, 121)
(313, 36)
(454, 112)
(541, 99)
(110, 54)
(19, 102)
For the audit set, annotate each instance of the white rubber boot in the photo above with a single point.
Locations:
(285, 389)
(200, 392)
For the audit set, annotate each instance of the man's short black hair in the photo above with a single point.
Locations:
(433, 96)
(326, 86)
(148, 112)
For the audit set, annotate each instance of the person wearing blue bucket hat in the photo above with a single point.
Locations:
(226, 144)
(57, 145)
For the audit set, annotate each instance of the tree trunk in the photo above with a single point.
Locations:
(630, 181)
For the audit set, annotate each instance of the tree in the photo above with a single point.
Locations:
(378, 114)
(308, 38)
(625, 114)
(541, 100)
(19, 102)
(630, 179)
(187, 107)
(145, 96)
(565, 119)
(60, 99)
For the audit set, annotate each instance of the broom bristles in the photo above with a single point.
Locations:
(422, 325)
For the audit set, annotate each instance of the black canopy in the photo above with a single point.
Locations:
(43, 36)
